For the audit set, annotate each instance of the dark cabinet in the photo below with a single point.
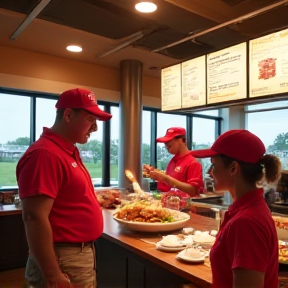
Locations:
(118, 267)
(13, 244)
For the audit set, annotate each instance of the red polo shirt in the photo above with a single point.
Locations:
(247, 239)
(52, 166)
(185, 169)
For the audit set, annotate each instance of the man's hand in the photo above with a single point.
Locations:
(162, 177)
(60, 281)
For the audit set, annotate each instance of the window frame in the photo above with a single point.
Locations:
(107, 126)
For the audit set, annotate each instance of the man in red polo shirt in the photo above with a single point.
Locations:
(183, 172)
(61, 213)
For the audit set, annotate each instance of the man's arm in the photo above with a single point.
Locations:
(35, 213)
(174, 183)
(244, 278)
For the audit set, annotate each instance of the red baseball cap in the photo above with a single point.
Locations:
(171, 133)
(81, 98)
(239, 144)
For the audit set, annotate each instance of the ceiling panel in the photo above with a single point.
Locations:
(101, 26)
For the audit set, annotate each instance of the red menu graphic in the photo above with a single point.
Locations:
(267, 68)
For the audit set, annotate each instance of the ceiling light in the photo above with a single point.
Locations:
(146, 7)
(74, 48)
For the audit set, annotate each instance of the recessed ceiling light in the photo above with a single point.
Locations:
(74, 48)
(146, 7)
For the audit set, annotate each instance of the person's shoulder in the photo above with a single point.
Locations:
(41, 148)
(192, 159)
(252, 219)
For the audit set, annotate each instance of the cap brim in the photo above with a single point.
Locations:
(164, 139)
(96, 111)
(204, 153)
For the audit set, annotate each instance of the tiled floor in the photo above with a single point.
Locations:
(13, 278)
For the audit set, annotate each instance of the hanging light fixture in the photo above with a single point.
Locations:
(74, 48)
(146, 6)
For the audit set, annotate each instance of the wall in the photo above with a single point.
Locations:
(30, 71)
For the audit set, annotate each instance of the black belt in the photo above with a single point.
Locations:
(71, 244)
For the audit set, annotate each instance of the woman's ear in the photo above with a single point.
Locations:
(234, 165)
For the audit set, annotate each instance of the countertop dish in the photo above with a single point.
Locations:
(156, 227)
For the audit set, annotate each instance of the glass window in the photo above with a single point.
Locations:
(146, 136)
(269, 105)
(45, 114)
(91, 154)
(114, 146)
(271, 127)
(214, 112)
(165, 121)
(203, 136)
(14, 136)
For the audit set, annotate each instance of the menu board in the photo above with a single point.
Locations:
(194, 82)
(227, 74)
(171, 88)
(269, 64)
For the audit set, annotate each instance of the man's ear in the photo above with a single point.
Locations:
(234, 167)
(68, 114)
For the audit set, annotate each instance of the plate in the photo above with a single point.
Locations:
(181, 255)
(169, 249)
(156, 227)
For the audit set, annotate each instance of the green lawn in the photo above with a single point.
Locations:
(8, 178)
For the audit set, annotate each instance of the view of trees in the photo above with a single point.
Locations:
(20, 141)
(92, 151)
(280, 143)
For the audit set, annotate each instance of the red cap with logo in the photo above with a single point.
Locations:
(171, 133)
(81, 98)
(238, 144)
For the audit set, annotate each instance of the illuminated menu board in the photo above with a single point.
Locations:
(194, 82)
(227, 74)
(268, 69)
(171, 88)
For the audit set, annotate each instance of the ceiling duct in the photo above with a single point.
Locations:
(225, 24)
(233, 2)
(37, 10)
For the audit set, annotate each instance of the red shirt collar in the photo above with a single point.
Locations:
(58, 140)
(177, 157)
(246, 200)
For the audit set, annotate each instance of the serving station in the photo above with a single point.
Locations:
(133, 258)
(135, 263)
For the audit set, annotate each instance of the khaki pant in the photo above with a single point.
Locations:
(78, 263)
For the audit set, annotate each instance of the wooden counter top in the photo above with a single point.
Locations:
(199, 274)
(9, 210)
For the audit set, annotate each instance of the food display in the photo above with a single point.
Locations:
(147, 169)
(150, 216)
(281, 224)
(108, 198)
(283, 252)
(145, 211)
(169, 199)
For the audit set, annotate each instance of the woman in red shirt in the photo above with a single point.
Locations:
(245, 253)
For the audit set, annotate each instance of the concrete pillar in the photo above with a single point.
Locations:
(233, 118)
(130, 118)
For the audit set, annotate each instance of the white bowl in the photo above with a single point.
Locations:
(156, 227)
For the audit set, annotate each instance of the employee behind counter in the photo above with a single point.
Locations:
(183, 171)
